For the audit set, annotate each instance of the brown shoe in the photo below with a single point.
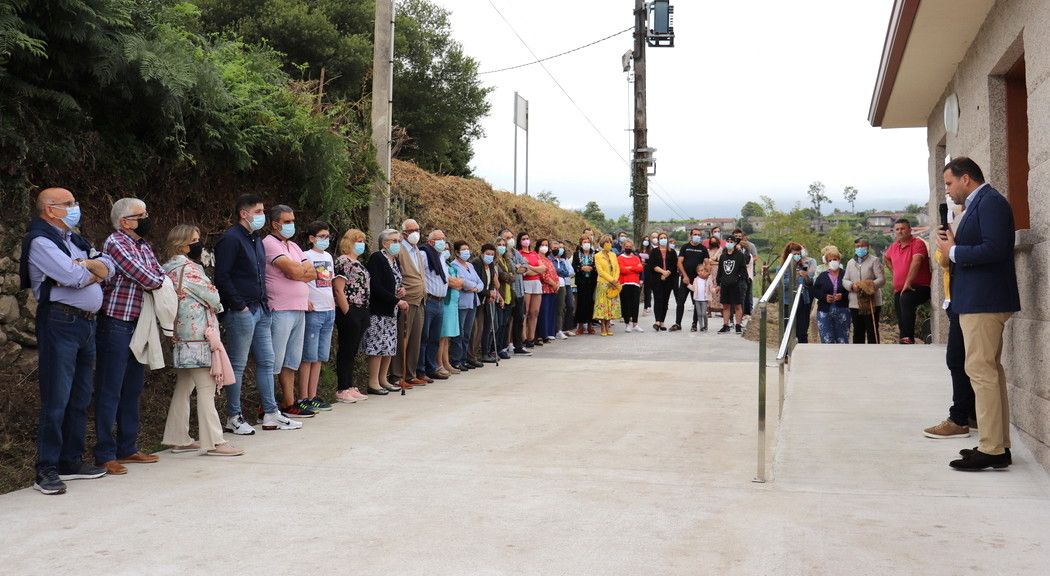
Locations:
(440, 375)
(405, 384)
(417, 382)
(114, 468)
(138, 458)
(947, 429)
(427, 379)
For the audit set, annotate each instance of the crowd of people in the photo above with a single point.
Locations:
(418, 310)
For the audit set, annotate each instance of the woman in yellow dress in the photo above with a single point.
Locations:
(606, 305)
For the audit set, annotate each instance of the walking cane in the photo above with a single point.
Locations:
(492, 329)
(404, 361)
(874, 323)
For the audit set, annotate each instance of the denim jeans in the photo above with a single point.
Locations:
(317, 340)
(833, 325)
(249, 331)
(461, 343)
(433, 315)
(67, 367)
(119, 378)
(287, 330)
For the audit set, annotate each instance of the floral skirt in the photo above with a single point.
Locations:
(606, 308)
(381, 337)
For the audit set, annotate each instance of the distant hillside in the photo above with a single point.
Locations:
(470, 209)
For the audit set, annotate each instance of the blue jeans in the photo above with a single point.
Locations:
(317, 342)
(433, 315)
(67, 365)
(118, 385)
(833, 325)
(287, 330)
(461, 343)
(249, 331)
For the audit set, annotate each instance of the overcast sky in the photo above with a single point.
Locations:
(757, 97)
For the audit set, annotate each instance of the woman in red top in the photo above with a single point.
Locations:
(532, 285)
(631, 268)
(546, 326)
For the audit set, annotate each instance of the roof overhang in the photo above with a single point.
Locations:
(925, 42)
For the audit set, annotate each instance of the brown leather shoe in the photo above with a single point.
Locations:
(427, 379)
(405, 384)
(417, 382)
(114, 468)
(138, 458)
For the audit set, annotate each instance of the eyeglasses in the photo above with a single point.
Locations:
(70, 204)
(142, 216)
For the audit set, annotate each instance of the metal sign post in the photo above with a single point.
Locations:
(521, 120)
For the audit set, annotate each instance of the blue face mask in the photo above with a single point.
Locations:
(488, 258)
(464, 254)
(796, 257)
(439, 245)
(322, 244)
(446, 254)
(393, 249)
(257, 222)
(288, 230)
(716, 234)
(730, 245)
(861, 252)
(696, 239)
(663, 241)
(501, 249)
(72, 217)
(359, 248)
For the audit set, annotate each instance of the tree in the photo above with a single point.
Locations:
(752, 209)
(850, 194)
(914, 209)
(817, 198)
(593, 213)
(548, 197)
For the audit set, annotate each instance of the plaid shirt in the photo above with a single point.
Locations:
(137, 269)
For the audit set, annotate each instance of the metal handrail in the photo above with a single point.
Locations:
(787, 345)
(763, 334)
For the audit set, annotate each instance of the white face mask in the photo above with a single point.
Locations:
(544, 249)
(834, 265)
(413, 238)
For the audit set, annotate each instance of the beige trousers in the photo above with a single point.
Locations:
(409, 334)
(983, 335)
(177, 427)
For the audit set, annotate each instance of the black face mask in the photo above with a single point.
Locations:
(196, 249)
(628, 250)
(145, 225)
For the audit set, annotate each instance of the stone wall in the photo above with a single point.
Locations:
(1012, 28)
(17, 307)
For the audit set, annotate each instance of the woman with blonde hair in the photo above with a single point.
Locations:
(833, 317)
(351, 290)
(200, 360)
(607, 294)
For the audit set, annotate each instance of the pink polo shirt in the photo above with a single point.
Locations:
(282, 293)
(900, 257)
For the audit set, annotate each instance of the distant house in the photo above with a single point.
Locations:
(723, 223)
(757, 222)
(880, 220)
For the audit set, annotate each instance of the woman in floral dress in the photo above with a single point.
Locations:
(385, 302)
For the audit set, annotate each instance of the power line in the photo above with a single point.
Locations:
(578, 107)
(577, 49)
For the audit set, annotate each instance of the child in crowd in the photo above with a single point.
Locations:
(699, 290)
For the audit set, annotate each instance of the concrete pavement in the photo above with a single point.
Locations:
(629, 455)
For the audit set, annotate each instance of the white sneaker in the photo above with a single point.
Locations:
(237, 425)
(638, 328)
(627, 329)
(277, 421)
(561, 335)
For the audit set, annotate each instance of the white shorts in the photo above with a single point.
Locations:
(533, 286)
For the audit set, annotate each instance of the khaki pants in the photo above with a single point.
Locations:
(177, 427)
(409, 333)
(983, 335)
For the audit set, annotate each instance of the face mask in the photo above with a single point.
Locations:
(623, 239)
(288, 230)
(446, 254)
(796, 257)
(72, 217)
(439, 245)
(645, 242)
(393, 249)
(510, 242)
(561, 251)
(544, 249)
(716, 234)
(413, 238)
(673, 246)
(196, 249)
(861, 252)
(834, 264)
(804, 253)
(488, 258)
(464, 254)
(501, 249)
(730, 245)
(359, 248)
(628, 250)
(322, 244)
(144, 226)
(696, 239)
(607, 246)
(587, 246)
(525, 243)
(663, 241)
(257, 222)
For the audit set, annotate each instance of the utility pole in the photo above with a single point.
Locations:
(639, 161)
(382, 112)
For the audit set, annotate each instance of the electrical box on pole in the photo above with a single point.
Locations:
(661, 24)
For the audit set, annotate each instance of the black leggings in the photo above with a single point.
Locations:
(864, 330)
(906, 304)
(352, 327)
(661, 296)
(629, 297)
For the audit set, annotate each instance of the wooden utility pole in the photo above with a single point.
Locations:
(640, 158)
(382, 111)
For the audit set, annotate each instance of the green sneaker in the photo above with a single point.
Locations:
(316, 404)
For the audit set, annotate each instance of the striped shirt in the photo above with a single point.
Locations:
(137, 270)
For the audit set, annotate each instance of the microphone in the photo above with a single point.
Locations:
(943, 207)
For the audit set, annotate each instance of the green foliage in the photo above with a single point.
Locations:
(548, 197)
(817, 196)
(850, 194)
(593, 214)
(752, 209)
(914, 209)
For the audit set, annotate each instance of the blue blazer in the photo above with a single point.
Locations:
(983, 275)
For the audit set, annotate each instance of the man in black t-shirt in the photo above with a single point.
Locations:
(732, 280)
(690, 256)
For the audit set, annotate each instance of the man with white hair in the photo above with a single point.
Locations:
(412, 260)
(119, 376)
